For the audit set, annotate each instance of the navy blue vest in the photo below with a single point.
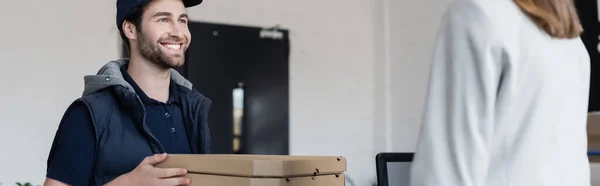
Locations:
(122, 138)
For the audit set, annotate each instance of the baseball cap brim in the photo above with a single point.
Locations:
(124, 9)
(190, 3)
(186, 3)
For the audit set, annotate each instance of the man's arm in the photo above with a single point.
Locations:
(53, 182)
(70, 161)
(73, 150)
(145, 174)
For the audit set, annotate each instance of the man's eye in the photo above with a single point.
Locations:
(183, 21)
(163, 20)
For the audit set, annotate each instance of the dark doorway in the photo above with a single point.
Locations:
(250, 65)
(588, 14)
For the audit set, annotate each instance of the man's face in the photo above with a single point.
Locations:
(164, 36)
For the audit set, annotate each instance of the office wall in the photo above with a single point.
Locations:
(50, 45)
(403, 46)
(413, 28)
(47, 48)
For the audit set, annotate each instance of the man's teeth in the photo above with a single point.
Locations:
(173, 46)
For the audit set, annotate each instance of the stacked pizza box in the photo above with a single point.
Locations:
(260, 170)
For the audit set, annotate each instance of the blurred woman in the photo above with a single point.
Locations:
(508, 97)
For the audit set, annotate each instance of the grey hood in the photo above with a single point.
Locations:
(110, 75)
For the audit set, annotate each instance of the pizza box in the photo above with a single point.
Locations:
(245, 165)
(218, 180)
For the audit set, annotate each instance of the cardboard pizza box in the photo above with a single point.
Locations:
(278, 166)
(217, 180)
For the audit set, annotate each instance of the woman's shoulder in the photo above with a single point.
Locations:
(497, 14)
(493, 20)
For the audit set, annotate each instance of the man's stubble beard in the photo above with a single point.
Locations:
(151, 51)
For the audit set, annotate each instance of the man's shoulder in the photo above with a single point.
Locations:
(94, 103)
(191, 93)
(101, 96)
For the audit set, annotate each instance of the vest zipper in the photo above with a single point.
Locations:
(154, 140)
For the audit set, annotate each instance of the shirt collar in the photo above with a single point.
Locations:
(173, 93)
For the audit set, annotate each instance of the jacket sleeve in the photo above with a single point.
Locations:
(453, 148)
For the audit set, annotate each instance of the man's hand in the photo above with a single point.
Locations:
(146, 174)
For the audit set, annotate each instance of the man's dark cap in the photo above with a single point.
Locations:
(125, 7)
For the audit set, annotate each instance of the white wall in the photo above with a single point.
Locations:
(403, 52)
(413, 27)
(332, 72)
(40, 40)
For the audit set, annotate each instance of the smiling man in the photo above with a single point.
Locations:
(134, 111)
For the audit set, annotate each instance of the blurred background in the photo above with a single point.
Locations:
(330, 77)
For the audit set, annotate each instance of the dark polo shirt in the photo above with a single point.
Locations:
(74, 150)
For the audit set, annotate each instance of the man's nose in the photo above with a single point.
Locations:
(177, 31)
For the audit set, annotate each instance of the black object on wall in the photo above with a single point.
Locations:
(588, 14)
(220, 58)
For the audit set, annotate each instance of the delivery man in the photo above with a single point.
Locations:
(135, 110)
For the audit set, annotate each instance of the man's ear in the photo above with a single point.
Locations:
(129, 30)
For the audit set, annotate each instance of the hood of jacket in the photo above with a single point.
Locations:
(110, 75)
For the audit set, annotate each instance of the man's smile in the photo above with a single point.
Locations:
(173, 46)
